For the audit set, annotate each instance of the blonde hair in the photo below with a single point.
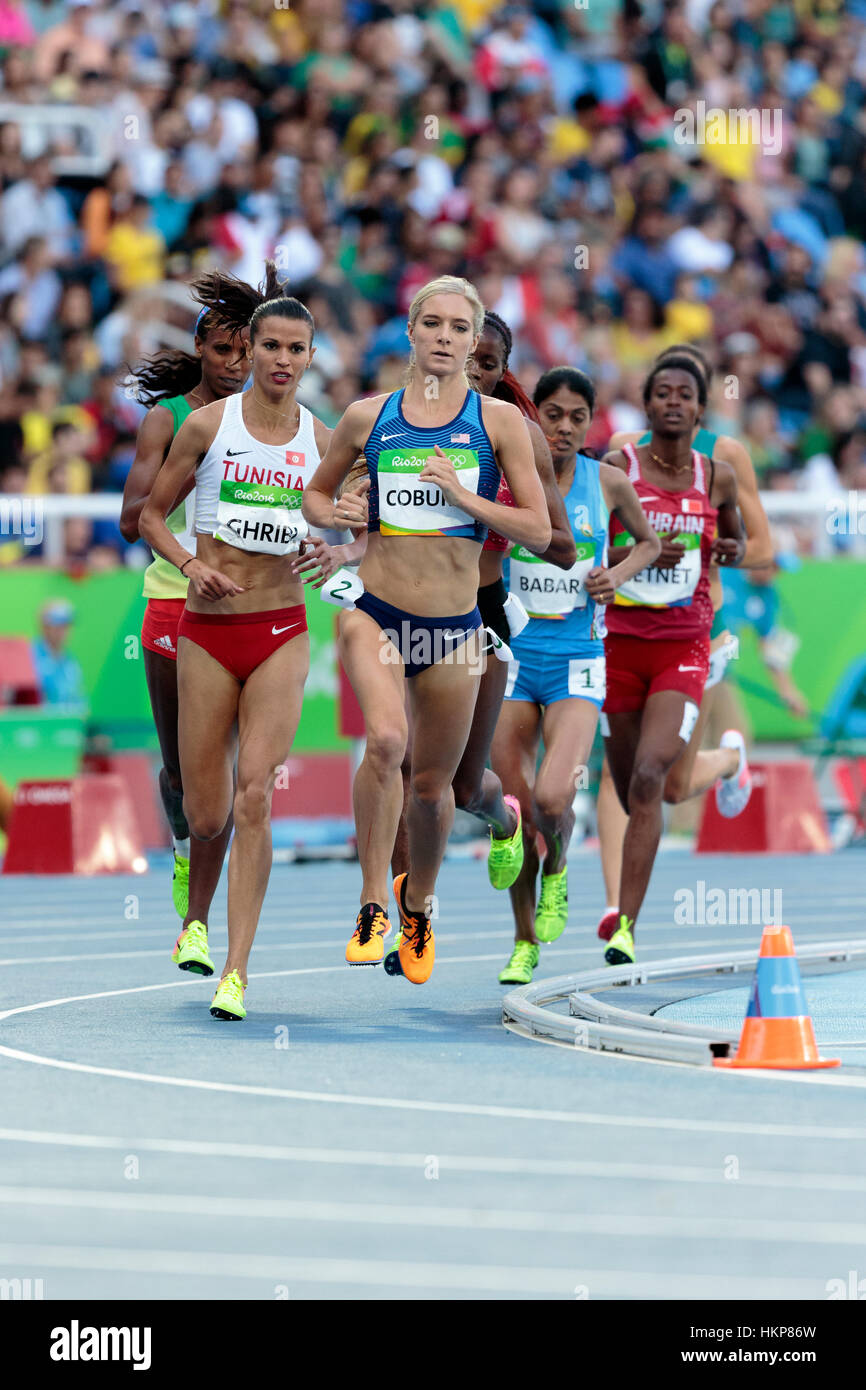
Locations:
(445, 284)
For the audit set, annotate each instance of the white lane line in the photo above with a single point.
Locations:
(447, 1163)
(503, 1112)
(446, 939)
(366, 1274)
(634, 1225)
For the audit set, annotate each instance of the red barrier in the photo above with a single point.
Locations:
(314, 784)
(18, 682)
(83, 826)
(784, 816)
(142, 783)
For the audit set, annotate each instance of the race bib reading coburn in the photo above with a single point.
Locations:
(410, 507)
(545, 590)
(259, 509)
(655, 588)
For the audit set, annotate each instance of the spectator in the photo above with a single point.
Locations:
(134, 249)
(33, 207)
(59, 673)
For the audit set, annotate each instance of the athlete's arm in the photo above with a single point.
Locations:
(189, 446)
(527, 522)
(345, 444)
(623, 502)
(562, 551)
(729, 547)
(759, 544)
(151, 447)
(317, 560)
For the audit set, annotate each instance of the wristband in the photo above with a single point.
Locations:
(185, 563)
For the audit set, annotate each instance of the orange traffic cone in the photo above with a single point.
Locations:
(777, 1030)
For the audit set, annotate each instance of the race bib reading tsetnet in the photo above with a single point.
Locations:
(410, 507)
(546, 591)
(655, 588)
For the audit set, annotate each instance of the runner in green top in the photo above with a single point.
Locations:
(173, 384)
(689, 775)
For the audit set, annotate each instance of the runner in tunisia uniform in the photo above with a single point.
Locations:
(173, 384)
(658, 629)
(243, 651)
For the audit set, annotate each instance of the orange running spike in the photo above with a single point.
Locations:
(777, 1030)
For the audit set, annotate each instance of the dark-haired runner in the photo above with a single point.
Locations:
(243, 650)
(698, 769)
(556, 680)
(657, 643)
(173, 384)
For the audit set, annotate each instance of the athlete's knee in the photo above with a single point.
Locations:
(386, 746)
(430, 789)
(205, 822)
(252, 802)
(647, 783)
(552, 803)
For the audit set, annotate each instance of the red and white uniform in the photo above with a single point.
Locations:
(505, 499)
(658, 627)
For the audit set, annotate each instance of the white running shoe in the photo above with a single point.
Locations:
(732, 793)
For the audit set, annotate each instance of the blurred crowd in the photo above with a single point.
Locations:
(369, 145)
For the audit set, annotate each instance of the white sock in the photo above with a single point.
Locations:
(611, 907)
(181, 847)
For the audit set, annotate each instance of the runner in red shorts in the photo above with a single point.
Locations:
(658, 628)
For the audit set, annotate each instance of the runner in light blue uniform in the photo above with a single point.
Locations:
(556, 681)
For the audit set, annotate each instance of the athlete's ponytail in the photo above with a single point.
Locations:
(164, 374)
(231, 302)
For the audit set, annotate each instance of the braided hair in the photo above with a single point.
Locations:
(508, 388)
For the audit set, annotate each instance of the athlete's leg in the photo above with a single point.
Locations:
(400, 855)
(476, 788)
(442, 700)
(208, 705)
(205, 856)
(161, 675)
(568, 729)
(514, 756)
(269, 710)
(697, 769)
(378, 789)
(663, 731)
(612, 822)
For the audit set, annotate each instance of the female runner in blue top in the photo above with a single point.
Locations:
(434, 452)
(556, 682)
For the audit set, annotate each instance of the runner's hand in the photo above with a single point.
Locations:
(669, 556)
(727, 551)
(440, 470)
(351, 510)
(316, 561)
(211, 584)
(599, 585)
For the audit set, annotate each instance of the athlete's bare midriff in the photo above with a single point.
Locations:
(432, 576)
(267, 580)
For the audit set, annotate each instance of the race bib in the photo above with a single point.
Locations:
(410, 507)
(654, 588)
(546, 591)
(260, 517)
(342, 589)
(588, 678)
